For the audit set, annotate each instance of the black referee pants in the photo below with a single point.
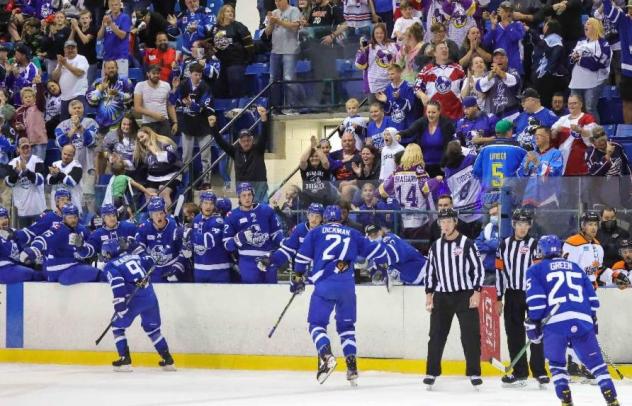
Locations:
(515, 310)
(445, 306)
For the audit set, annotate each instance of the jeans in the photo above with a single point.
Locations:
(39, 150)
(591, 97)
(188, 143)
(223, 163)
(283, 66)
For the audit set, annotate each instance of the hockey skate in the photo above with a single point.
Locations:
(124, 363)
(567, 400)
(543, 381)
(326, 364)
(510, 381)
(574, 371)
(429, 381)
(587, 376)
(611, 399)
(352, 370)
(167, 362)
(476, 382)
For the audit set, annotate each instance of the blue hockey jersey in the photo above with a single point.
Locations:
(124, 229)
(262, 222)
(524, 134)
(57, 246)
(375, 133)
(497, 161)
(163, 246)
(207, 235)
(483, 125)
(333, 249)
(9, 252)
(397, 251)
(290, 245)
(558, 281)
(123, 273)
(192, 26)
(26, 235)
(399, 107)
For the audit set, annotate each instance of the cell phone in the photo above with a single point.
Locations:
(364, 42)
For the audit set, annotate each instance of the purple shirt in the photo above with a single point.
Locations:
(113, 46)
(432, 146)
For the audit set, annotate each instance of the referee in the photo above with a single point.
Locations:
(454, 277)
(514, 256)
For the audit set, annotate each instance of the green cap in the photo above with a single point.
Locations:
(503, 126)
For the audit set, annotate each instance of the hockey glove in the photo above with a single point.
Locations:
(7, 234)
(534, 330)
(378, 274)
(620, 279)
(28, 256)
(263, 263)
(297, 283)
(76, 239)
(243, 237)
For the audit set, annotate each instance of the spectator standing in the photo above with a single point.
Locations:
(57, 33)
(432, 132)
(314, 167)
(81, 132)
(66, 174)
(408, 18)
(500, 87)
(359, 14)
(441, 81)
(384, 10)
(409, 50)
(534, 115)
(151, 23)
(151, 99)
(375, 57)
(505, 33)
(438, 35)
(571, 135)
(476, 71)
(549, 73)
(202, 54)
(453, 288)
(391, 148)
(122, 143)
(472, 47)
(29, 118)
(192, 101)
(85, 35)
(283, 24)
(623, 24)
(369, 166)
(162, 55)
(569, 14)
(71, 73)
(475, 128)
(399, 98)
(610, 235)
(248, 154)
(591, 66)
(52, 115)
(26, 178)
(235, 50)
(378, 123)
(487, 243)
(114, 32)
(21, 73)
(194, 23)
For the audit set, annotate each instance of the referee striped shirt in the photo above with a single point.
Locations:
(454, 266)
(513, 258)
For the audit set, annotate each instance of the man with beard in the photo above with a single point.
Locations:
(475, 128)
(192, 24)
(162, 56)
(151, 99)
(500, 87)
(109, 95)
(610, 235)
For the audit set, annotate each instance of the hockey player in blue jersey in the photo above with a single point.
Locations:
(26, 235)
(112, 228)
(10, 269)
(289, 246)
(161, 237)
(555, 281)
(253, 230)
(126, 274)
(62, 248)
(332, 250)
(401, 264)
(211, 262)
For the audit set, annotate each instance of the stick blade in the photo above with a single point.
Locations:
(498, 365)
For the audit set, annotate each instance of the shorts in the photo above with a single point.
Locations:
(157, 185)
(625, 89)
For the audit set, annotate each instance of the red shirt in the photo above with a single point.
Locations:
(153, 56)
(571, 144)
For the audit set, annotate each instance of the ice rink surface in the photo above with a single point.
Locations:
(37, 385)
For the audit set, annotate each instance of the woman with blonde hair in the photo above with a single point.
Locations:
(414, 189)
(591, 65)
(159, 156)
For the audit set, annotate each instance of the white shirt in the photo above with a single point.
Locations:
(28, 197)
(154, 99)
(72, 86)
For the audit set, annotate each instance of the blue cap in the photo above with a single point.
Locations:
(469, 101)
(208, 196)
(156, 203)
(332, 213)
(316, 208)
(244, 187)
(108, 209)
(549, 246)
(62, 193)
(110, 248)
(224, 205)
(4, 212)
(69, 209)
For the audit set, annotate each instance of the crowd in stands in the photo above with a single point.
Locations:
(463, 98)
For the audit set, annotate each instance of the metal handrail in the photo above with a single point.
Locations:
(185, 166)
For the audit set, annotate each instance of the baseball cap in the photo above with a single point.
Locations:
(23, 49)
(499, 51)
(503, 126)
(529, 92)
(245, 133)
(469, 101)
(371, 228)
(70, 43)
(506, 5)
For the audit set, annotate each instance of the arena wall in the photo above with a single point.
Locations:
(226, 326)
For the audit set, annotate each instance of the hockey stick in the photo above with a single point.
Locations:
(129, 299)
(612, 364)
(501, 367)
(282, 314)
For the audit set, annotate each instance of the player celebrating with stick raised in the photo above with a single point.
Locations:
(332, 248)
(453, 283)
(561, 288)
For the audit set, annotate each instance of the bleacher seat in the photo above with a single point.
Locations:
(627, 147)
(104, 179)
(222, 106)
(610, 110)
(624, 132)
(610, 92)
(303, 66)
(610, 129)
(257, 76)
(136, 75)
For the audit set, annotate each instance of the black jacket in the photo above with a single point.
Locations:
(610, 242)
(249, 166)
